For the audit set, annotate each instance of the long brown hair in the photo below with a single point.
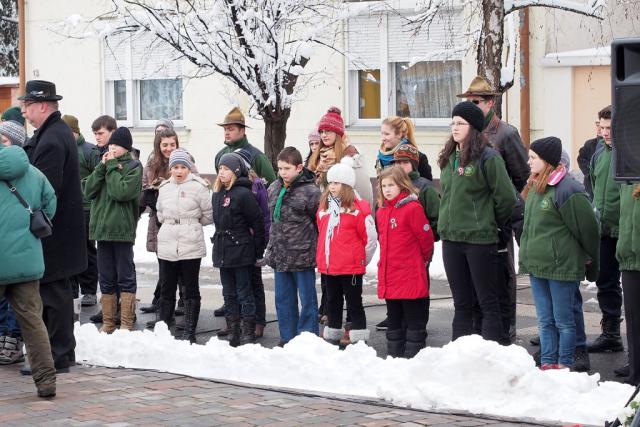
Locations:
(471, 150)
(403, 126)
(347, 197)
(397, 175)
(538, 182)
(158, 164)
(338, 147)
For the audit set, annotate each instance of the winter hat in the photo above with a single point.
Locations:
(565, 160)
(407, 152)
(167, 123)
(548, 149)
(14, 132)
(14, 114)
(180, 156)
(471, 113)
(342, 172)
(122, 137)
(236, 163)
(72, 122)
(246, 156)
(332, 121)
(313, 136)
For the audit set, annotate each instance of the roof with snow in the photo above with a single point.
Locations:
(581, 57)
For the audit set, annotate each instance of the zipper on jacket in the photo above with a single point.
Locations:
(475, 213)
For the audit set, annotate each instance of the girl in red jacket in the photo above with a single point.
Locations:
(406, 247)
(347, 240)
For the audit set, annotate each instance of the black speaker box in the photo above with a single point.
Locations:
(625, 93)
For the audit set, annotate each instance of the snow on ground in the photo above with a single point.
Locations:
(470, 374)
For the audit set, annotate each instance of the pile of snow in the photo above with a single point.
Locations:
(469, 374)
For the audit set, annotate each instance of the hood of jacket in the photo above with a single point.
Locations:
(14, 162)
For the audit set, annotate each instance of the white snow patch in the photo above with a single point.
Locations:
(470, 374)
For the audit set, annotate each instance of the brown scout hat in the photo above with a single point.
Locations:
(234, 117)
(479, 87)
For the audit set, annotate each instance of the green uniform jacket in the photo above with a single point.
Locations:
(476, 201)
(606, 192)
(114, 187)
(560, 234)
(628, 249)
(259, 163)
(20, 250)
(87, 154)
(429, 198)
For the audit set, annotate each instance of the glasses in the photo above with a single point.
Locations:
(28, 103)
(458, 124)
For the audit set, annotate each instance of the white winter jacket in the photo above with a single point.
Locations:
(182, 210)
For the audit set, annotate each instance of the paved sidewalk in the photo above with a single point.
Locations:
(121, 397)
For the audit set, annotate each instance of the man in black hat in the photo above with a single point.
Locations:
(52, 149)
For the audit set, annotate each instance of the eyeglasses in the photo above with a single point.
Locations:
(475, 101)
(25, 104)
(458, 124)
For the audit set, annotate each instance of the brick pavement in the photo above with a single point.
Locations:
(122, 397)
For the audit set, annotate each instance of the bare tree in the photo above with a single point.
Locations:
(8, 38)
(261, 46)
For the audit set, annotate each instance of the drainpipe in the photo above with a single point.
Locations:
(525, 86)
(21, 47)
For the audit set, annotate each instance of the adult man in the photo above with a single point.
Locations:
(584, 158)
(53, 150)
(87, 280)
(235, 139)
(606, 199)
(506, 140)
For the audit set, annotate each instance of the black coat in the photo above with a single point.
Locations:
(53, 150)
(424, 168)
(239, 239)
(584, 162)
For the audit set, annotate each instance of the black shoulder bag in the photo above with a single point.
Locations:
(41, 226)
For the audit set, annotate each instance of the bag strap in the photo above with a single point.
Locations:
(14, 190)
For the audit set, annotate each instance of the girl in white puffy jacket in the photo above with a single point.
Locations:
(184, 207)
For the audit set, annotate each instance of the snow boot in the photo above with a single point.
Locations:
(623, 371)
(356, 335)
(165, 311)
(332, 336)
(191, 314)
(220, 311)
(152, 308)
(416, 341)
(109, 303)
(610, 339)
(248, 335)
(233, 325)
(127, 310)
(396, 339)
(581, 362)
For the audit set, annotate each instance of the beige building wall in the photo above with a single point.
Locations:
(591, 92)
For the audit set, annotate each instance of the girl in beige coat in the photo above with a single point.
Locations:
(184, 206)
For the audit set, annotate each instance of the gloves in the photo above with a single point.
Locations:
(149, 198)
(260, 262)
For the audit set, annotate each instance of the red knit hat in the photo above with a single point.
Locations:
(332, 121)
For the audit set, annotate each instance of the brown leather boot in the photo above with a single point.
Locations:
(109, 303)
(127, 310)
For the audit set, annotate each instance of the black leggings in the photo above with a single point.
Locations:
(349, 288)
(187, 271)
(411, 314)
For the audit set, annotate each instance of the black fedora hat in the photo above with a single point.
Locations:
(40, 90)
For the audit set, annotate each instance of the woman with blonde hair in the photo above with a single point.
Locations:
(396, 131)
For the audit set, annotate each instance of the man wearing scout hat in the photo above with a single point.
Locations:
(506, 140)
(235, 138)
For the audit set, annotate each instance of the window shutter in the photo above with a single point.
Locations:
(152, 58)
(116, 66)
(364, 42)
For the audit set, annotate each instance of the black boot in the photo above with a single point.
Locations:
(416, 341)
(220, 311)
(165, 311)
(248, 335)
(623, 371)
(535, 340)
(395, 342)
(191, 314)
(581, 362)
(152, 308)
(233, 326)
(610, 339)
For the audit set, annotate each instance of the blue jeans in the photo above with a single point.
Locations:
(554, 301)
(116, 269)
(578, 314)
(288, 286)
(8, 322)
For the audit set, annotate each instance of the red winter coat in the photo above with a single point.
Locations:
(353, 243)
(406, 244)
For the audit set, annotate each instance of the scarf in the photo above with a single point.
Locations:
(277, 209)
(327, 157)
(334, 221)
(386, 157)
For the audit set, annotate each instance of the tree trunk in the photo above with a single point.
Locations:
(490, 46)
(275, 133)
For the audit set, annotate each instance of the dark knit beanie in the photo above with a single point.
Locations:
(548, 149)
(471, 113)
(236, 163)
(14, 114)
(122, 137)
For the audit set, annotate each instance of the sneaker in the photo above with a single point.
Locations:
(220, 311)
(89, 300)
(12, 351)
(382, 326)
(548, 366)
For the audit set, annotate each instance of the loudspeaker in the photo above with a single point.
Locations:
(625, 108)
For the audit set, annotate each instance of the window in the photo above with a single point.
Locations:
(143, 82)
(384, 79)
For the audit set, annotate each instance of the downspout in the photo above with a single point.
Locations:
(21, 47)
(525, 87)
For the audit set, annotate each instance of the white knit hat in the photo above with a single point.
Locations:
(180, 156)
(342, 172)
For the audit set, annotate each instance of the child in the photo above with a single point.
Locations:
(560, 242)
(293, 202)
(346, 243)
(406, 246)
(184, 206)
(238, 244)
(114, 186)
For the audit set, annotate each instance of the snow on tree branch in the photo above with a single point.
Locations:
(508, 71)
(593, 8)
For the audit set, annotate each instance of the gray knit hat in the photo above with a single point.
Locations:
(236, 163)
(14, 132)
(180, 156)
(167, 123)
